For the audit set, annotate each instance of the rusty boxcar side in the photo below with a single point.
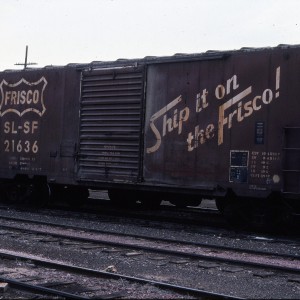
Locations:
(220, 124)
(228, 127)
(38, 110)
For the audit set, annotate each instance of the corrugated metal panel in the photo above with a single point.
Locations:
(110, 124)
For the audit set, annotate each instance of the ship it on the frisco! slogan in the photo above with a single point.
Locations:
(241, 105)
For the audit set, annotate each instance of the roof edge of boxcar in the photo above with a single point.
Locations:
(177, 57)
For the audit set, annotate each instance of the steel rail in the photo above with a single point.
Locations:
(97, 273)
(168, 240)
(38, 288)
(165, 251)
(162, 251)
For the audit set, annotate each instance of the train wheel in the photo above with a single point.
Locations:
(220, 204)
(122, 198)
(76, 196)
(184, 203)
(38, 195)
(153, 204)
(194, 202)
(12, 194)
(280, 215)
(149, 201)
(179, 203)
(248, 213)
(237, 212)
(72, 195)
(287, 217)
(56, 193)
(35, 194)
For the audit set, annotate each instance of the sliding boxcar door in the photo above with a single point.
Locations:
(110, 127)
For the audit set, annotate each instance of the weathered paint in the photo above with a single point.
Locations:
(206, 122)
(36, 110)
(110, 125)
(221, 122)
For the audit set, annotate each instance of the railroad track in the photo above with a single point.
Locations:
(190, 250)
(177, 290)
(116, 246)
(65, 218)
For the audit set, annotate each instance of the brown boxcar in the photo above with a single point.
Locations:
(222, 125)
(39, 132)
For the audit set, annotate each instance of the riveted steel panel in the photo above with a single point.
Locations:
(110, 127)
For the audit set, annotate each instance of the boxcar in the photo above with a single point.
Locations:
(222, 125)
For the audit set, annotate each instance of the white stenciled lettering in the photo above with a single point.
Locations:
(277, 82)
(22, 97)
(228, 120)
(169, 123)
(201, 101)
(232, 82)
(221, 91)
(28, 127)
(200, 136)
(243, 110)
(241, 105)
(267, 96)
(19, 146)
(7, 97)
(153, 126)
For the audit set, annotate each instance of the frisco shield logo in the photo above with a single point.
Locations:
(22, 97)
